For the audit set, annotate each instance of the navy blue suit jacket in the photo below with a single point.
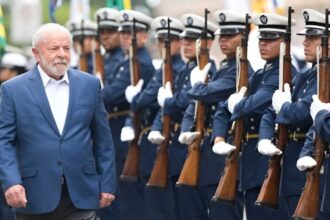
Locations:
(34, 153)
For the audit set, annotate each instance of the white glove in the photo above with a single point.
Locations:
(305, 162)
(223, 148)
(198, 75)
(164, 93)
(236, 98)
(266, 147)
(156, 137)
(317, 106)
(132, 91)
(188, 137)
(279, 98)
(127, 134)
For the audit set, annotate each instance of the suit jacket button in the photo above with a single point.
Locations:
(59, 163)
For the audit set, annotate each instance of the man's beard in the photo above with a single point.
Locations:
(50, 68)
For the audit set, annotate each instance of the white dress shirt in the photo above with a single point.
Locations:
(57, 92)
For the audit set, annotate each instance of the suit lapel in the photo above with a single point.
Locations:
(74, 84)
(38, 91)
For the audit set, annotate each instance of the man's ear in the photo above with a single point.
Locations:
(35, 53)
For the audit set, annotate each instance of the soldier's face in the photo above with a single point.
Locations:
(109, 38)
(269, 49)
(88, 44)
(310, 44)
(189, 48)
(125, 40)
(229, 43)
(6, 74)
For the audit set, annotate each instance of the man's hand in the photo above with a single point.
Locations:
(279, 98)
(106, 199)
(132, 91)
(223, 148)
(156, 137)
(198, 75)
(236, 98)
(164, 93)
(15, 196)
(305, 163)
(127, 134)
(266, 147)
(317, 106)
(188, 137)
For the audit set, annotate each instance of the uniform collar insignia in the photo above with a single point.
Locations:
(268, 66)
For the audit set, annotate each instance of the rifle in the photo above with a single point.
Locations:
(131, 167)
(159, 173)
(268, 196)
(98, 62)
(308, 205)
(190, 171)
(226, 190)
(83, 64)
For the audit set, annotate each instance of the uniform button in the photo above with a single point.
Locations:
(213, 107)
(59, 163)
(184, 86)
(298, 129)
(307, 81)
(115, 109)
(252, 119)
(186, 78)
(304, 91)
(299, 99)
(252, 127)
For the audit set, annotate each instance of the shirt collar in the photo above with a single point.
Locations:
(45, 78)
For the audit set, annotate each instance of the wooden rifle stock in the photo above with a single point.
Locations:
(268, 196)
(98, 62)
(226, 190)
(131, 167)
(83, 63)
(190, 171)
(308, 204)
(159, 173)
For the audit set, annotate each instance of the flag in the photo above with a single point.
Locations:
(53, 5)
(268, 6)
(79, 10)
(2, 33)
(119, 4)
